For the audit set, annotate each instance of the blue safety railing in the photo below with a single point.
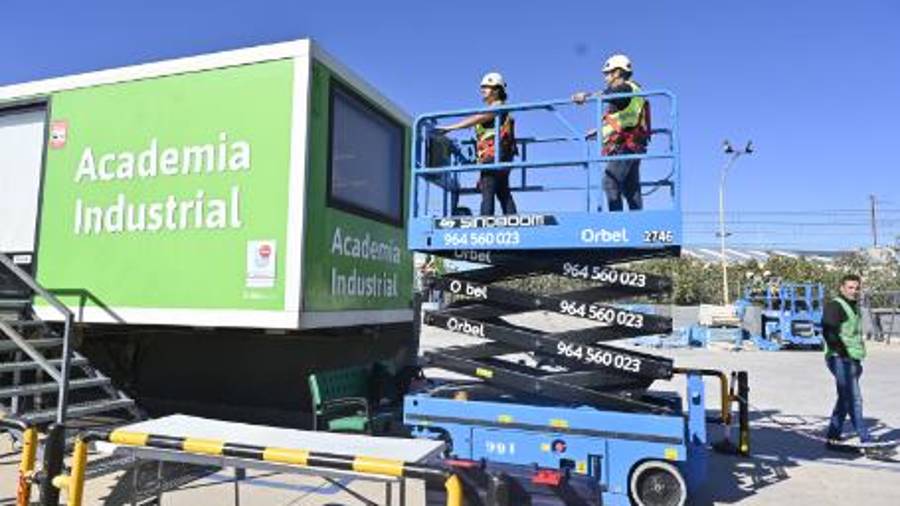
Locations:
(441, 164)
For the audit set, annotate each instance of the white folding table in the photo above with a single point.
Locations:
(347, 445)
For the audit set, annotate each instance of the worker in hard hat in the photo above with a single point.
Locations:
(492, 183)
(626, 130)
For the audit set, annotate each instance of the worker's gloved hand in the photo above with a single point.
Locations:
(580, 97)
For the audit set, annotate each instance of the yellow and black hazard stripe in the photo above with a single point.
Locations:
(74, 482)
(358, 463)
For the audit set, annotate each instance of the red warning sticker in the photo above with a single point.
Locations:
(59, 133)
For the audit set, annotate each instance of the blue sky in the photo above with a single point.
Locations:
(815, 84)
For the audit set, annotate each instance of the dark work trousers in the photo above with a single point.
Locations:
(623, 178)
(495, 184)
(846, 373)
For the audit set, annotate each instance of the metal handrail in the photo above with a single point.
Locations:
(61, 377)
(85, 296)
(461, 164)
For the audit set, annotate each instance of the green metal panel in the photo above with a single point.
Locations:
(156, 190)
(340, 271)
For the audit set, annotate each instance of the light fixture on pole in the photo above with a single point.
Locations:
(734, 155)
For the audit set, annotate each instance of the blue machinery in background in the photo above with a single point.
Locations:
(558, 417)
(789, 315)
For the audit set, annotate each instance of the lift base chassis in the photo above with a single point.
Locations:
(603, 446)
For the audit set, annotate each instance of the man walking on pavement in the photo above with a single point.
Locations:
(844, 353)
(626, 131)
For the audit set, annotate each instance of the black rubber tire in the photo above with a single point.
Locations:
(657, 483)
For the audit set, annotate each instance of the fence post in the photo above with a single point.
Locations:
(54, 452)
(744, 413)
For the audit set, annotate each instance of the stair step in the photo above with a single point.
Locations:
(50, 342)
(76, 410)
(27, 323)
(40, 388)
(30, 366)
(14, 303)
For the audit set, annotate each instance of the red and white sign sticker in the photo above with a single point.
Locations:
(59, 134)
(261, 264)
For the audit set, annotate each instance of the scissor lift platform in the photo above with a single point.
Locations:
(438, 223)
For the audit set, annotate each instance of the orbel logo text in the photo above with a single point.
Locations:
(591, 235)
(461, 288)
(483, 257)
(464, 327)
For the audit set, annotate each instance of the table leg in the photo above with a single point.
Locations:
(135, 471)
(159, 483)
(239, 474)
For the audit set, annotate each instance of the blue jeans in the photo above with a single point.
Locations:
(622, 178)
(846, 372)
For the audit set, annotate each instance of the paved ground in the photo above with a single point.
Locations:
(791, 394)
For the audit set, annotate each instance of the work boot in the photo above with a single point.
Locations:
(838, 444)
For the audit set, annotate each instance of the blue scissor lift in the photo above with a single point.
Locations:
(560, 416)
(790, 315)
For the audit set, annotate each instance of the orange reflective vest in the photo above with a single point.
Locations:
(627, 130)
(485, 139)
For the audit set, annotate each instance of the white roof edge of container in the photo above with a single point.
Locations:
(195, 63)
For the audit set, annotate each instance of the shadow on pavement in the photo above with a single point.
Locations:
(779, 443)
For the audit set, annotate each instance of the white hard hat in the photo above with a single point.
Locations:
(617, 61)
(493, 79)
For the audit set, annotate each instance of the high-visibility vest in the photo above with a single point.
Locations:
(485, 139)
(850, 332)
(627, 130)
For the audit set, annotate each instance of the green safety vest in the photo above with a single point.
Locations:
(850, 332)
(629, 127)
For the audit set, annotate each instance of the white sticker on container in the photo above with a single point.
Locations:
(261, 260)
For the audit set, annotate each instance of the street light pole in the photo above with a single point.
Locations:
(729, 150)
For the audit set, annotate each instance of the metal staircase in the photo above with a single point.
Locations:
(42, 378)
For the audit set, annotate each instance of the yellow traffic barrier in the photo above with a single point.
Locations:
(454, 488)
(27, 460)
(26, 466)
(73, 484)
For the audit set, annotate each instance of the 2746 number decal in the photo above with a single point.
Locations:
(659, 236)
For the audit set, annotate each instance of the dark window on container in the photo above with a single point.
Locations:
(365, 158)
